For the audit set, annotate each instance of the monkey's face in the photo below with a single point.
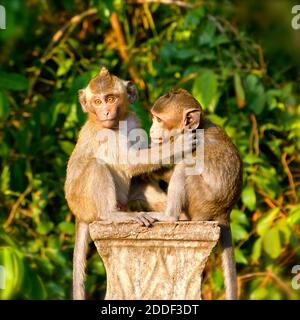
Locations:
(173, 113)
(164, 127)
(109, 107)
(106, 99)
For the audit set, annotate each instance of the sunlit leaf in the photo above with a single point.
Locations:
(260, 293)
(205, 90)
(11, 272)
(239, 91)
(238, 232)
(5, 179)
(67, 146)
(256, 251)
(239, 217)
(271, 243)
(294, 215)
(67, 227)
(45, 227)
(240, 256)
(249, 197)
(266, 221)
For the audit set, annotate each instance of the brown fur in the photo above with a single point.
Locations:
(94, 190)
(212, 194)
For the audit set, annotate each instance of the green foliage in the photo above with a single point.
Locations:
(47, 55)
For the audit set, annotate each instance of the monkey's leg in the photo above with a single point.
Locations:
(107, 204)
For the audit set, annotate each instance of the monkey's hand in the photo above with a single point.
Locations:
(160, 216)
(143, 218)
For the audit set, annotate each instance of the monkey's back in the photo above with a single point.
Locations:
(217, 189)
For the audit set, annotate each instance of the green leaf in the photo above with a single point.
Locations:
(217, 119)
(67, 146)
(259, 294)
(256, 251)
(239, 217)
(294, 215)
(5, 179)
(271, 243)
(255, 94)
(238, 232)
(45, 227)
(249, 197)
(33, 286)
(239, 256)
(11, 272)
(284, 228)
(67, 227)
(266, 221)
(239, 91)
(217, 278)
(252, 159)
(13, 81)
(96, 265)
(207, 35)
(205, 90)
(64, 67)
(4, 106)
(56, 256)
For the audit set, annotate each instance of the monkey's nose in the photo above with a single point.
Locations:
(106, 113)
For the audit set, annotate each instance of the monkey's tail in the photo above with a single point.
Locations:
(228, 262)
(79, 260)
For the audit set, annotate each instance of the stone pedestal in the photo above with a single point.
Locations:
(164, 261)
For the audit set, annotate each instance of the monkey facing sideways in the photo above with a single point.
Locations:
(211, 194)
(94, 190)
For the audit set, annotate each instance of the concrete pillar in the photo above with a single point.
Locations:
(164, 261)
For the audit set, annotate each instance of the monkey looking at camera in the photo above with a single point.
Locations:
(95, 189)
(211, 194)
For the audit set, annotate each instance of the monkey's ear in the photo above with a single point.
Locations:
(131, 91)
(82, 100)
(192, 119)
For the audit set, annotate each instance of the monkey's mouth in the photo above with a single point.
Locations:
(109, 120)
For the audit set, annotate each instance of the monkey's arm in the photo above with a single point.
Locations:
(147, 160)
(176, 197)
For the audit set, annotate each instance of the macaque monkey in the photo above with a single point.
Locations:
(96, 189)
(211, 194)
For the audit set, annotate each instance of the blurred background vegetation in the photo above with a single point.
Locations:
(241, 61)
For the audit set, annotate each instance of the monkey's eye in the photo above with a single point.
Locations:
(158, 120)
(97, 102)
(110, 99)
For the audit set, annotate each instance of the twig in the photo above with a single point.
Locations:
(55, 39)
(216, 22)
(261, 57)
(289, 175)
(254, 134)
(167, 2)
(14, 208)
(270, 274)
(117, 29)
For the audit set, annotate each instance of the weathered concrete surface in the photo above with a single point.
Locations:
(164, 261)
